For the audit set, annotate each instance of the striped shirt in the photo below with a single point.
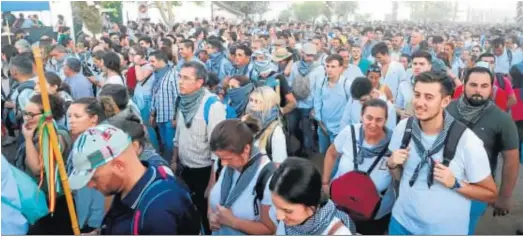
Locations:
(164, 97)
(193, 143)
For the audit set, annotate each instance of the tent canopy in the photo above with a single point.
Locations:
(25, 6)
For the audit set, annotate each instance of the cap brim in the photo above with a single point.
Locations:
(79, 180)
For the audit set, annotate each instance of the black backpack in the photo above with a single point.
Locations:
(500, 78)
(451, 141)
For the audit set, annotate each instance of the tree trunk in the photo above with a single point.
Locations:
(519, 12)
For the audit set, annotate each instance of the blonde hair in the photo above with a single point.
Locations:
(268, 96)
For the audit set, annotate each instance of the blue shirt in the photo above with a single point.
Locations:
(164, 94)
(330, 102)
(168, 212)
(13, 222)
(80, 86)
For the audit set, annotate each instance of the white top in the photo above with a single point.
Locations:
(243, 207)
(279, 145)
(438, 210)
(114, 80)
(380, 175)
(395, 73)
(342, 231)
(405, 94)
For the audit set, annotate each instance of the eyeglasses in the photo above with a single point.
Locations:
(30, 115)
(185, 78)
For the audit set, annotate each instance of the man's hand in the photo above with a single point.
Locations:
(404, 114)
(502, 206)
(443, 175)
(398, 157)
(9, 104)
(152, 120)
(174, 123)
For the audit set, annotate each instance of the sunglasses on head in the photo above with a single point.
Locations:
(374, 69)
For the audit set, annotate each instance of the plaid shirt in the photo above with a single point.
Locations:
(164, 96)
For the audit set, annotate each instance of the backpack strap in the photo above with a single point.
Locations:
(377, 160)
(207, 108)
(451, 141)
(354, 147)
(509, 55)
(335, 228)
(407, 134)
(500, 77)
(263, 177)
(266, 138)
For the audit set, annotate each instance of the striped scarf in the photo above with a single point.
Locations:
(318, 223)
(470, 114)
(189, 105)
(426, 155)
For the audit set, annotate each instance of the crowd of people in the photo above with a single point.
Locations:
(210, 127)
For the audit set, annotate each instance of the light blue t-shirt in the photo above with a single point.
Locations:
(329, 102)
(13, 222)
(438, 210)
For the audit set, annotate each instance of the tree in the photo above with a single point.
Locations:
(115, 10)
(340, 9)
(285, 15)
(430, 11)
(306, 11)
(166, 9)
(249, 8)
(395, 7)
(88, 14)
(519, 12)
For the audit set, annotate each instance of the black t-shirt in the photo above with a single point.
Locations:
(496, 129)
(284, 89)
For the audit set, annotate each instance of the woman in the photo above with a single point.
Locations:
(301, 206)
(231, 209)
(27, 159)
(113, 75)
(374, 75)
(55, 86)
(142, 96)
(264, 107)
(237, 93)
(371, 140)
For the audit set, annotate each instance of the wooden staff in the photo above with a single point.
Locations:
(54, 142)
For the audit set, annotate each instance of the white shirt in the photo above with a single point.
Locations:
(380, 175)
(502, 63)
(395, 73)
(342, 231)
(279, 145)
(438, 210)
(405, 94)
(114, 80)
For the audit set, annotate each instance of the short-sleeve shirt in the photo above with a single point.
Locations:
(438, 210)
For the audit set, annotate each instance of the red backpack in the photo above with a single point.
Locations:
(355, 192)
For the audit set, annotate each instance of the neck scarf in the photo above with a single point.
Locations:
(470, 115)
(189, 105)
(215, 60)
(264, 66)
(426, 155)
(374, 151)
(158, 76)
(239, 97)
(318, 223)
(304, 67)
(266, 117)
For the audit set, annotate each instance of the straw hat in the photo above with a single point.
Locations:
(281, 54)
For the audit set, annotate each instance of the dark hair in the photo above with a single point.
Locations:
(146, 39)
(216, 45)
(380, 48)
(222, 139)
(118, 93)
(498, 42)
(436, 77)
(112, 61)
(66, 41)
(478, 70)
(199, 68)
(23, 64)
(56, 104)
(422, 54)
(298, 181)
(407, 57)
(376, 102)
(437, 40)
(486, 54)
(99, 55)
(9, 51)
(360, 87)
(168, 52)
(167, 42)
(334, 57)
(53, 79)
(93, 107)
(366, 30)
(443, 56)
(159, 55)
(245, 49)
(139, 50)
(212, 80)
(132, 126)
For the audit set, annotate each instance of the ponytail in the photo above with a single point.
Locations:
(252, 123)
(108, 106)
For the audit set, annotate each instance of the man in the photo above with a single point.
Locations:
(367, 42)
(242, 64)
(421, 63)
(57, 56)
(218, 62)
(146, 42)
(21, 69)
(330, 98)
(437, 45)
(500, 81)
(322, 55)
(257, 45)
(357, 59)
(22, 46)
(192, 158)
(187, 53)
(415, 40)
(336, 45)
(497, 131)
(397, 46)
(504, 57)
(80, 86)
(435, 197)
(305, 76)
(164, 94)
(391, 71)
(361, 91)
(146, 200)
(350, 71)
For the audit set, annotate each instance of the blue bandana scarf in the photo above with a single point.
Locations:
(318, 223)
(374, 151)
(158, 76)
(214, 62)
(304, 67)
(266, 117)
(239, 98)
(189, 105)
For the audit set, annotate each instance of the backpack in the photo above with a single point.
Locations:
(301, 87)
(230, 113)
(500, 78)
(29, 85)
(33, 202)
(263, 177)
(355, 192)
(145, 200)
(451, 141)
(509, 55)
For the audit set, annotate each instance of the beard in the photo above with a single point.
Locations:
(476, 100)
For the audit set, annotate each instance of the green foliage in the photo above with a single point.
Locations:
(307, 11)
(256, 7)
(89, 15)
(285, 15)
(115, 8)
(431, 11)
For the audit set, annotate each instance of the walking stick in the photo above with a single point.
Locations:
(48, 137)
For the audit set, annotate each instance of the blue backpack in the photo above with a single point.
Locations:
(230, 112)
(33, 202)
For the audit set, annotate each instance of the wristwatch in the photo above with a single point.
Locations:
(457, 185)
